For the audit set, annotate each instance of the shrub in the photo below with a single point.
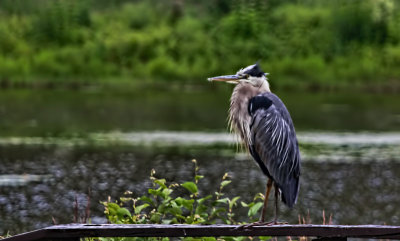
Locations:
(58, 21)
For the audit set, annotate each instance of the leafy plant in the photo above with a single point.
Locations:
(173, 203)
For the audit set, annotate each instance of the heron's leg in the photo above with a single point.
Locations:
(276, 204)
(262, 218)
(269, 186)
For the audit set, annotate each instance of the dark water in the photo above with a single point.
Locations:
(49, 177)
(354, 193)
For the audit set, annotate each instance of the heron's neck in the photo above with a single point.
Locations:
(239, 118)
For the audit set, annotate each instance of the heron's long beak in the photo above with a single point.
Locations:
(233, 79)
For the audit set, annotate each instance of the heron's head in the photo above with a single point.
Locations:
(250, 75)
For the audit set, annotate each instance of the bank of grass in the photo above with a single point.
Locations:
(303, 44)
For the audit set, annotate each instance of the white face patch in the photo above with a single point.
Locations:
(256, 81)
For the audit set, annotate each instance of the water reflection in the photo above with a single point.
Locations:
(356, 192)
(70, 113)
(21, 180)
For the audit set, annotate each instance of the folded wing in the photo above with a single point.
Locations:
(274, 144)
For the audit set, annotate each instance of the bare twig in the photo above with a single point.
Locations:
(76, 212)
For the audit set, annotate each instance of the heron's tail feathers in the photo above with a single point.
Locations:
(290, 192)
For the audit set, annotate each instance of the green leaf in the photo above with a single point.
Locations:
(198, 177)
(125, 199)
(123, 213)
(190, 186)
(198, 219)
(209, 239)
(201, 209)
(202, 200)
(161, 182)
(238, 238)
(228, 238)
(113, 208)
(192, 239)
(189, 220)
(166, 192)
(180, 200)
(263, 238)
(138, 209)
(147, 200)
(218, 210)
(259, 196)
(155, 218)
(224, 183)
(233, 202)
(174, 209)
(244, 204)
(162, 208)
(154, 192)
(166, 221)
(223, 200)
(188, 204)
(254, 209)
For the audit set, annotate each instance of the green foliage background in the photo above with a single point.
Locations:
(302, 43)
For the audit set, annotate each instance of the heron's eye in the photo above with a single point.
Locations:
(246, 76)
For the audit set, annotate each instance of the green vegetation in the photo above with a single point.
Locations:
(302, 43)
(180, 204)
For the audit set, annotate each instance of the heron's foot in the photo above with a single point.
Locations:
(260, 223)
(280, 223)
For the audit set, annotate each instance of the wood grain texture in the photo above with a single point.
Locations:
(74, 231)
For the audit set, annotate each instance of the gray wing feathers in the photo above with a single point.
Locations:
(275, 142)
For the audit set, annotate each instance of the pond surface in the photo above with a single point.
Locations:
(56, 145)
(70, 113)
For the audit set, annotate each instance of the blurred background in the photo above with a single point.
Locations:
(304, 44)
(94, 94)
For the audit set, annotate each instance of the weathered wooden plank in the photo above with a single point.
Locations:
(144, 230)
(33, 235)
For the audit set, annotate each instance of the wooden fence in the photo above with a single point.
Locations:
(320, 232)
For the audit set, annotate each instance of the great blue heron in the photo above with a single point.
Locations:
(266, 129)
